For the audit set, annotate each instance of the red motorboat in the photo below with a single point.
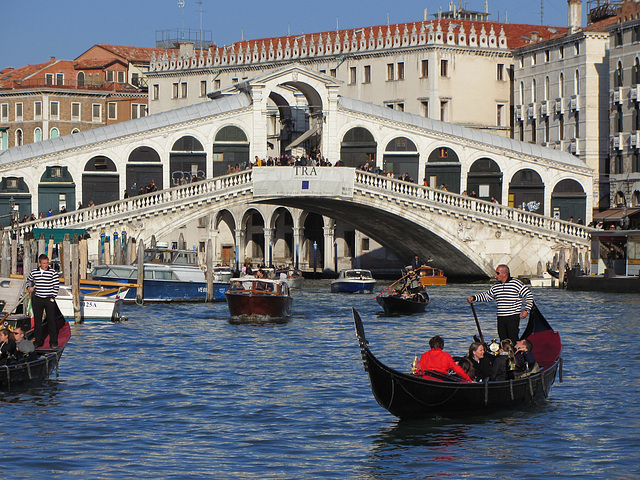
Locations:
(258, 297)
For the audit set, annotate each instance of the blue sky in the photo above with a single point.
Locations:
(32, 31)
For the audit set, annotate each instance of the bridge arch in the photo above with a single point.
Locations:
(568, 199)
(230, 148)
(224, 228)
(443, 168)
(252, 224)
(358, 146)
(314, 225)
(100, 181)
(485, 178)
(143, 165)
(187, 161)
(526, 191)
(281, 223)
(401, 157)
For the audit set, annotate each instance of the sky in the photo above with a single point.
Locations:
(32, 31)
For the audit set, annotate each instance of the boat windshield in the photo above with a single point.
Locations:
(358, 274)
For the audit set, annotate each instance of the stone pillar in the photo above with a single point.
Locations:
(329, 240)
(268, 246)
(240, 248)
(259, 134)
(298, 243)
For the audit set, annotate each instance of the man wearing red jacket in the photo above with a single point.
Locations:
(436, 359)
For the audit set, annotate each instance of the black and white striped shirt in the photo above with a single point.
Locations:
(46, 282)
(510, 297)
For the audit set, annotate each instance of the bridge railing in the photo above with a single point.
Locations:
(436, 197)
(149, 201)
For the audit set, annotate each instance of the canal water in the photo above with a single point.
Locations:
(179, 391)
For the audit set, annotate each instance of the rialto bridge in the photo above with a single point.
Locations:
(263, 215)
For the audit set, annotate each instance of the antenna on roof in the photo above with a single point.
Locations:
(541, 12)
(181, 5)
(387, 19)
(201, 12)
(337, 28)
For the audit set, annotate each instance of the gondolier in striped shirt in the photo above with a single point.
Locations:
(43, 284)
(514, 301)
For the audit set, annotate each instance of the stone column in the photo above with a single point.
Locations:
(298, 242)
(240, 248)
(329, 239)
(268, 246)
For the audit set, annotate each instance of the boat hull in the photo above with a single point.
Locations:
(602, 283)
(253, 305)
(394, 304)
(92, 308)
(352, 286)
(171, 291)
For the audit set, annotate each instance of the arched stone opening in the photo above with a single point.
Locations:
(314, 242)
(569, 200)
(402, 158)
(253, 226)
(230, 150)
(443, 169)
(187, 161)
(100, 182)
(225, 226)
(282, 237)
(143, 169)
(56, 191)
(358, 147)
(485, 179)
(526, 191)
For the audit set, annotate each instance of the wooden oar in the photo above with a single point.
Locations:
(400, 279)
(475, 316)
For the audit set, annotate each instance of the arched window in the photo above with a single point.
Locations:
(19, 137)
(521, 93)
(54, 133)
(636, 71)
(533, 91)
(561, 85)
(619, 77)
(81, 79)
(576, 83)
(546, 88)
(37, 134)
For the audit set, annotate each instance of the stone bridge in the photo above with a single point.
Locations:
(464, 236)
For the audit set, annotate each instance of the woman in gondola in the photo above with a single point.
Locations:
(504, 363)
(481, 362)
(7, 346)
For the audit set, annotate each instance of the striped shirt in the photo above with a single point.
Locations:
(46, 282)
(510, 297)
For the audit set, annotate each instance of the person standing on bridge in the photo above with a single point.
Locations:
(514, 301)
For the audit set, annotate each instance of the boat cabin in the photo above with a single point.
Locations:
(616, 249)
(257, 285)
(355, 274)
(166, 256)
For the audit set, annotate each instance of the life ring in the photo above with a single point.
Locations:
(203, 268)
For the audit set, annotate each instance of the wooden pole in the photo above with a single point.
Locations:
(50, 247)
(75, 279)
(140, 280)
(153, 241)
(182, 245)
(107, 251)
(66, 259)
(117, 254)
(14, 253)
(41, 245)
(84, 258)
(4, 255)
(209, 274)
(131, 250)
(561, 268)
(27, 257)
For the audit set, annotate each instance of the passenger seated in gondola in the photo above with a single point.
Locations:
(504, 363)
(25, 350)
(481, 362)
(523, 358)
(7, 346)
(467, 366)
(439, 361)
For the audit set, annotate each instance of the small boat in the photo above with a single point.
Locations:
(353, 280)
(431, 276)
(92, 307)
(405, 296)
(291, 275)
(609, 282)
(169, 276)
(409, 396)
(258, 297)
(41, 365)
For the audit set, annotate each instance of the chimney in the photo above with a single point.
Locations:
(574, 21)
(52, 60)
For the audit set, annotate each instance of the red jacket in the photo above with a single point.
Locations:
(436, 359)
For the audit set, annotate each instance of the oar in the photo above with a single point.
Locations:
(400, 279)
(475, 316)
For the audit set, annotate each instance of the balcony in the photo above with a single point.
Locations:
(560, 106)
(574, 146)
(544, 109)
(532, 111)
(617, 95)
(574, 103)
(633, 139)
(634, 93)
(617, 142)
(519, 112)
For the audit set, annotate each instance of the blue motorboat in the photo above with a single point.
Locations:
(353, 280)
(169, 276)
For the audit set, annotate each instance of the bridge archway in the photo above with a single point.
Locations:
(568, 199)
(314, 235)
(56, 190)
(100, 181)
(401, 157)
(253, 224)
(443, 168)
(224, 226)
(143, 166)
(358, 147)
(281, 224)
(526, 191)
(14, 189)
(187, 161)
(485, 178)
(230, 148)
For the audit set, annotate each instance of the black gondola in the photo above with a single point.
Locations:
(408, 396)
(398, 304)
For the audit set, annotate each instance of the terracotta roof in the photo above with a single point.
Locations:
(97, 64)
(131, 54)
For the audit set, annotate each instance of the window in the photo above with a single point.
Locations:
(534, 59)
(333, 72)
(561, 126)
(635, 77)
(390, 72)
(444, 110)
(534, 136)
(521, 93)
(37, 135)
(80, 79)
(174, 93)
(108, 76)
(521, 129)
(619, 76)
(156, 92)
(19, 112)
(367, 74)
(401, 71)
(576, 83)
(534, 93)
(75, 111)
(37, 110)
(54, 133)
(425, 108)
(352, 75)
(135, 79)
(4, 112)
(500, 72)
(365, 244)
(138, 110)
(112, 111)
(19, 138)
(618, 121)
(59, 79)
(561, 53)
(444, 68)
(424, 68)
(500, 115)
(561, 85)
(547, 88)
(576, 48)
(546, 56)
(216, 84)
(96, 112)
(546, 129)
(635, 34)
(183, 90)
(400, 106)
(48, 79)
(203, 88)
(54, 110)
(635, 163)
(121, 78)
(234, 80)
(56, 172)
(617, 164)
(618, 38)
(577, 125)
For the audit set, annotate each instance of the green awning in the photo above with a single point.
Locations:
(58, 233)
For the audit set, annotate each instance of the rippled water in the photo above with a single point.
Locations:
(180, 392)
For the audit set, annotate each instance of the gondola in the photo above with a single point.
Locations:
(44, 361)
(408, 297)
(408, 396)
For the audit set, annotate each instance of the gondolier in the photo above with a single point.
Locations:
(43, 284)
(514, 301)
